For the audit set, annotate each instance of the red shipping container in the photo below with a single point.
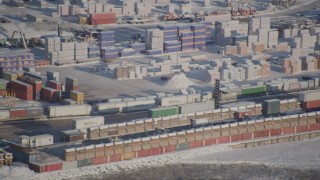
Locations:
(247, 136)
(156, 151)
(55, 85)
(22, 90)
(223, 140)
(143, 153)
(51, 95)
(195, 144)
(313, 127)
(106, 18)
(170, 148)
(241, 113)
(14, 113)
(301, 129)
(99, 160)
(237, 137)
(37, 167)
(259, 134)
(54, 167)
(275, 132)
(288, 130)
(115, 158)
(310, 104)
(210, 141)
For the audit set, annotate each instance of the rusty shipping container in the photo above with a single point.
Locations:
(106, 18)
(15, 113)
(310, 104)
(22, 90)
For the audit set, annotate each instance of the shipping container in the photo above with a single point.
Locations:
(249, 91)
(16, 113)
(199, 122)
(88, 122)
(69, 110)
(174, 100)
(77, 96)
(182, 146)
(84, 162)
(311, 104)
(34, 111)
(271, 107)
(163, 111)
(69, 165)
(241, 114)
(309, 96)
(196, 107)
(4, 114)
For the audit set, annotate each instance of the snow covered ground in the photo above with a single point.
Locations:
(304, 154)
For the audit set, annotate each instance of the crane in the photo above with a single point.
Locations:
(22, 36)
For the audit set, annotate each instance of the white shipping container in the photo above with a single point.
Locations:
(196, 107)
(198, 122)
(109, 106)
(309, 96)
(88, 122)
(69, 110)
(4, 114)
(174, 100)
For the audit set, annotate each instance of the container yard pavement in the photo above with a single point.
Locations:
(297, 154)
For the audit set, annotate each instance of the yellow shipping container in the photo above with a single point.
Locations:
(77, 96)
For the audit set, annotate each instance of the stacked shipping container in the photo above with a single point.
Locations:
(22, 90)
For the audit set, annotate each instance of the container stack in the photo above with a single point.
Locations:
(186, 39)
(52, 44)
(9, 76)
(81, 51)
(154, 39)
(106, 39)
(105, 18)
(273, 36)
(36, 84)
(71, 85)
(14, 60)
(172, 46)
(199, 40)
(208, 29)
(170, 32)
(77, 96)
(310, 99)
(271, 107)
(51, 95)
(93, 52)
(66, 55)
(109, 53)
(22, 90)
(138, 47)
(55, 85)
(52, 76)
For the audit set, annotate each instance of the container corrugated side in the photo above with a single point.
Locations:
(309, 96)
(88, 122)
(174, 100)
(196, 107)
(4, 115)
(69, 110)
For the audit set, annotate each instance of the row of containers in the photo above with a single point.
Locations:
(32, 86)
(170, 118)
(279, 129)
(22, 113)
(233, 91)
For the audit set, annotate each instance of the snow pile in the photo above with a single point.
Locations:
(16, 172)
(178, 81)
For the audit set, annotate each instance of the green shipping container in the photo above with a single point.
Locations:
(254, 90)
(162, 112)
(270, 107)
(182, 146)
(85, 162)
